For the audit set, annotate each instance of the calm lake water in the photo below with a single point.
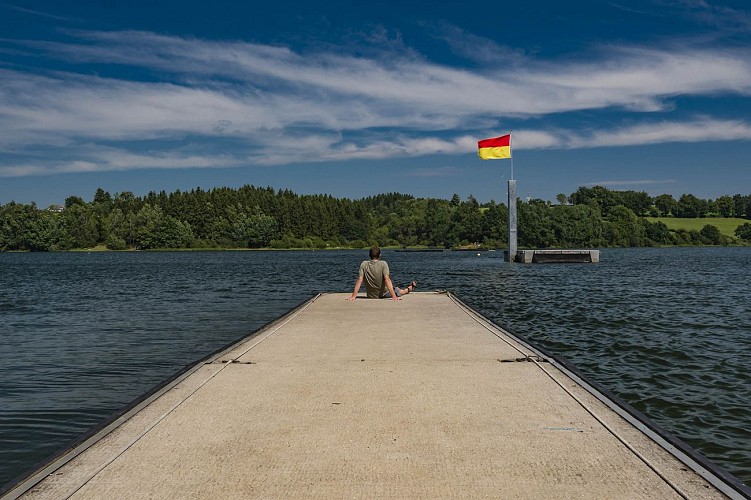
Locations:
(82, 335)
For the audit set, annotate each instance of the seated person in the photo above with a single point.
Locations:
(375, 273)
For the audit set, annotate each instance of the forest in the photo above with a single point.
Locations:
(256, 217)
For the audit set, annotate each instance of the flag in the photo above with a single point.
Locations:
(496, 148)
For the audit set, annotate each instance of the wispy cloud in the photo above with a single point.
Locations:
(710, 13)
(479, 49)
(434, 172)
(101, 158)
(37, 13)
(633, 183)
(250, 102)
(630, 77)
(703, 129)
(632, 10)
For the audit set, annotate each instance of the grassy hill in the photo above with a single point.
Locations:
(726, 226)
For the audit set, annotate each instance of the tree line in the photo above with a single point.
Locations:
(255, 217)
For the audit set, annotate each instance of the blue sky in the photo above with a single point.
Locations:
(360, 98)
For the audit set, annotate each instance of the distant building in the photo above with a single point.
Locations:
(56, 208)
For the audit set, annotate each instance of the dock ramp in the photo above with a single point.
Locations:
(420, 398)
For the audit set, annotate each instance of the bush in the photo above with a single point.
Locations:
(711, 234)
(318, 242)
(744, 232)
(204, 244)
(687, 237)
(279, 244)
(116, 243)
(657, 233)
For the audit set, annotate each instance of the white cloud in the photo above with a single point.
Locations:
(277, 106)
(623, 76)
(699, 130)
(101, 158)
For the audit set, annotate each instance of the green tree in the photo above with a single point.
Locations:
(145, 224)
(534, 225)
(468, 221)
(24, 227)
(255, 231)
(725, 206)
(744, 232)
(739, 205)
(257, 216)
(576, 226)
(170, 233)
(80, 225)
(127, 203)
(638, 202)
(689, 206)
(623, 228)
(711, 234)
(102, 197)
(599, 196)
(657, 233)
(666, 204)
(118, 230)
(72, 201)
(438, 223)
(495, 225)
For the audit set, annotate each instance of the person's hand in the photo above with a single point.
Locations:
(352, 297)
(396, 298)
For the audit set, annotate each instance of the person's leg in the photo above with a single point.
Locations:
(409, 288)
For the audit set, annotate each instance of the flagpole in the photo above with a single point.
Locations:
(496, 148)
(511, 149)
(511, 208)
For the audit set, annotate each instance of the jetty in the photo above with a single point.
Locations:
(565, 256)
(417, 398)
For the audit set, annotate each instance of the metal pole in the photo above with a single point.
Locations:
(511, 208)
(511, 220)
(511, 152)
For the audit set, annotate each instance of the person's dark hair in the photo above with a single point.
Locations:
(375, 252)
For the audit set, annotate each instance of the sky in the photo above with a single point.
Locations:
(355, 99)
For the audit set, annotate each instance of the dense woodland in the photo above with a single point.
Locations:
(254, 217)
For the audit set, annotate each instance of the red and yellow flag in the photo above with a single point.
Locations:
(496, 148)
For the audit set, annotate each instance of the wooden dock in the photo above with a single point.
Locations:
(420, 398)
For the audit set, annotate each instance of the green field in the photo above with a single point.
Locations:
(726, 226)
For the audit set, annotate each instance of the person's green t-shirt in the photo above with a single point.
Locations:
(374, 273)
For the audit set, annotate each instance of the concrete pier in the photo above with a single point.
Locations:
(557, 256)
(420, 398)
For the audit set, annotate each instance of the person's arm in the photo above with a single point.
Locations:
(357, 289)
(390, 286)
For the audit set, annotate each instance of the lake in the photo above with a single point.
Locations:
(83, 334)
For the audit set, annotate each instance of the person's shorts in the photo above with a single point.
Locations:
(387, 295)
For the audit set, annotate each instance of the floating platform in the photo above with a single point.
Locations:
(420, 398)
(556, 256)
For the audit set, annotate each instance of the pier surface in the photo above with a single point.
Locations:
(374, 398)
(557, 256)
